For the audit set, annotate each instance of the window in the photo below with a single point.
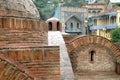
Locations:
(71, 25)
(58, 26)
(78, 25)
(50, 26)
(92, 54)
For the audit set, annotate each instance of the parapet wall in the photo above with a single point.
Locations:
(11, 70)
(22, 24)
(73, 9)
(43, 61)
(16, 38)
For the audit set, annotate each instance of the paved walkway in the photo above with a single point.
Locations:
(98, 76)
(55, 39)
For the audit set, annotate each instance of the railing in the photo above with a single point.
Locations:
(73, 30)
(107, 26)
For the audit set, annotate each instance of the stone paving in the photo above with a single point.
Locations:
(98, 76)
(55, 38)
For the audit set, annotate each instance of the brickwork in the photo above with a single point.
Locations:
(12, 37)
(42, 61)
(105, 53)
(74, 43)
(69, 37)
(18, 8)
(103, 60)
(11, 70)
(22, 24)
(55, 24)
(24, 50)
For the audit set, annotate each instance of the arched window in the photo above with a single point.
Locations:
(71, 25)
(50, 26)
(58, 26)
(78, 25)
(92, 54)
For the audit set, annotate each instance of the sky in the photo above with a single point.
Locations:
(115, 1)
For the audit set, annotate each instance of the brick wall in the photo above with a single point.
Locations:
(42, 61)
(72, 44)
(21, 8)
(22, 24)
(15, 37)
(69, 37)
(11, 70)
(55, 24)
(103, 60)
(105, 51)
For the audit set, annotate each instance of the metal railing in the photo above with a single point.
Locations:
(107, 26)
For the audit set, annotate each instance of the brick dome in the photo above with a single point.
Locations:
(18, 8)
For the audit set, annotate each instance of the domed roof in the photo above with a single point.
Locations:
(18, 8)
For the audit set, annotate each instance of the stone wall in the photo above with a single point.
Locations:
(68, 12)
(43, 61)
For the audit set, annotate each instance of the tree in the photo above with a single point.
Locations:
(46, 11)
(73, 3)
(115, 35)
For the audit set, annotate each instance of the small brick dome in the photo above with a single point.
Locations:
(18, 8)
(54, 24)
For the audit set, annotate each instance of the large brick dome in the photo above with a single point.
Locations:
(18, 8)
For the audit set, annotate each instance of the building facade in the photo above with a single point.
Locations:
(72, 19)
(93, 9)
(104, 22)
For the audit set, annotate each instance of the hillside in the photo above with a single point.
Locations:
(47, 7)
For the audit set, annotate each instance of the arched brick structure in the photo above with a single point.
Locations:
(9, 69)
(54, 24)
(74, 43)
(93, 54)
(24, 37)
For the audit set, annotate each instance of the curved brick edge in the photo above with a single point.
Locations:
(74, 43)
(9, 63)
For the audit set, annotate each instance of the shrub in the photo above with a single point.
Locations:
(115, 35)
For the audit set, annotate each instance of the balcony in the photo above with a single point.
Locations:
(73, 30)
(107, 26)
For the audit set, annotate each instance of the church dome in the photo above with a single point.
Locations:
(18, 8)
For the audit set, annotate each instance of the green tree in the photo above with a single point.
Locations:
(72, 3)
(46, 11)
(115, 35)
